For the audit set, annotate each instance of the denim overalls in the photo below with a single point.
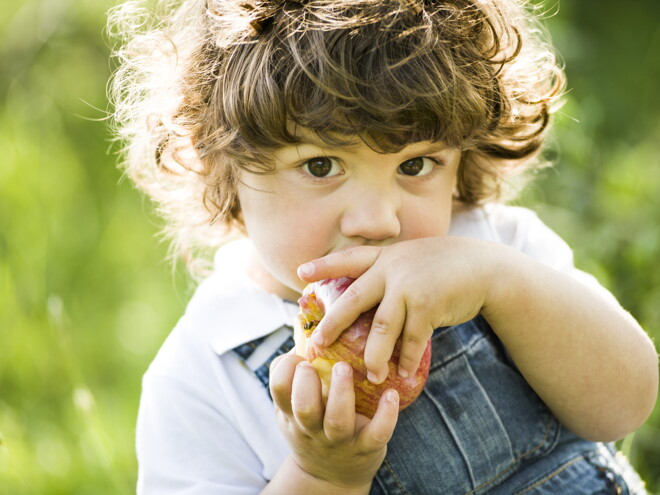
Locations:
(478, 428)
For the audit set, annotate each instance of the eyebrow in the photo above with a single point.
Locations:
(429, 148)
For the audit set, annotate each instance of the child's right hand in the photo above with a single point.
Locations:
(330, 442)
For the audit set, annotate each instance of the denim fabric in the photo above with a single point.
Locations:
(478, 428)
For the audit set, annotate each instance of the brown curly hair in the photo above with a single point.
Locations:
(205, 87)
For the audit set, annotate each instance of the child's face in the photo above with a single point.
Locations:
(321, 200)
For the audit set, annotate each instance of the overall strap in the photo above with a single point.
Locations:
(259, 353)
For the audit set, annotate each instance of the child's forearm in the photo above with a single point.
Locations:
(584, 355)
(292, 479)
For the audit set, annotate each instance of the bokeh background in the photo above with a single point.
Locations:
(86, 297)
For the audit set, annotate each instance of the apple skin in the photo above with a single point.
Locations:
(349, 347)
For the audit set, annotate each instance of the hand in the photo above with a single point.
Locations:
(330, 442)
(419, 285)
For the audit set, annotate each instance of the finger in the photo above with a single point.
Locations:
(362, 295)
(351, 262)
(282, 370)
(275, 362)
(339, 421)
(414, 341)
(306, 399)
(386, 327)
(379, 430)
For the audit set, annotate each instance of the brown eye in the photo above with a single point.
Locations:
(322, 166)
(417, 166)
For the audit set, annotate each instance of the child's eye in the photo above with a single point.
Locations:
(419, 166)
(322, 166)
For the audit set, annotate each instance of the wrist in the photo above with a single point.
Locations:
(293, 479)
(504, 282)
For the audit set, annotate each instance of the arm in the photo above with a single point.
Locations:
(582, 353)
(334, 450)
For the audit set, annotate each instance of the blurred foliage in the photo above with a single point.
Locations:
(86, 298)
(603, 194)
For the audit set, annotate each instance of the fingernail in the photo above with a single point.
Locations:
(306, 269)
(403, 373)
(371, 376)
(392, 396)
(342, 369)
(318, 339)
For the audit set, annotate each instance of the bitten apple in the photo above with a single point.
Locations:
(349, 347)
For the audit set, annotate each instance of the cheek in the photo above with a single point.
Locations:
(286, 230)
(426, 218)
(426, 227)
(284, 222)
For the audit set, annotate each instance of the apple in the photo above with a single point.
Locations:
(316, 299)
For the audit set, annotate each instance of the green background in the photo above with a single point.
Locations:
(86, 297)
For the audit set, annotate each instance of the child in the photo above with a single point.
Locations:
(376, 140)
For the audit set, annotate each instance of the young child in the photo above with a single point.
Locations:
(376, 139)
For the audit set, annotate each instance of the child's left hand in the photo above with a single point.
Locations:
(420, 285)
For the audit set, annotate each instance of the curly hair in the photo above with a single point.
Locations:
(207, 87)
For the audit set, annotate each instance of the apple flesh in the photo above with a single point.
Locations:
(349, 347)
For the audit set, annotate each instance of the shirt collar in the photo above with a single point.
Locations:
(228, 309)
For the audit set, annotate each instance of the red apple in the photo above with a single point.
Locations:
(349, 347)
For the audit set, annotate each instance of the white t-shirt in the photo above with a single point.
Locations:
(206, 424)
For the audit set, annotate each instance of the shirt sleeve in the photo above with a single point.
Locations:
(176, 452)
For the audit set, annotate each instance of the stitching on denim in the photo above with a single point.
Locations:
(462, 351)
(492, 407)
(613, 476)
(536, 447)
(546, 433)
(453, 435)
(551, 475)
(516, 460)
(395, 477)
(456, 437)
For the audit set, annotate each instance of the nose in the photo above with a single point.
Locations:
(371, 212)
